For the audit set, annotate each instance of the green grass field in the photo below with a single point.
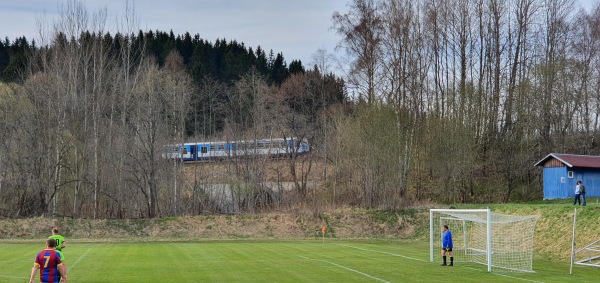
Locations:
(269, 261)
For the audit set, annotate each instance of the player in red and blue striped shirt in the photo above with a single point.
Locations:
(50, 264)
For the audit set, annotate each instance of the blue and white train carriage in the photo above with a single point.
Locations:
(221, 150)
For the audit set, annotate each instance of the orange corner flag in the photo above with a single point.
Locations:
(323, 230)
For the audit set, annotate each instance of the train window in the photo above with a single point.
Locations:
(185, 150)
(203, 149)
(213, 147)
(220, 147)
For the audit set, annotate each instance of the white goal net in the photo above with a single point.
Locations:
(501, 242)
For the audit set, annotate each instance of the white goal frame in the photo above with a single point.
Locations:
(488, 251)
(499, 241)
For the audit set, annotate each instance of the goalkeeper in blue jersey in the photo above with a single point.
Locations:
(447, 246)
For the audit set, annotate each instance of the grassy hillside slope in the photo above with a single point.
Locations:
(552, 237)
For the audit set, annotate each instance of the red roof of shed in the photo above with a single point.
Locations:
(573, 160)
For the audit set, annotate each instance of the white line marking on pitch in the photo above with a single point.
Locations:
(347, 268)
(417, 259)
(78, 260)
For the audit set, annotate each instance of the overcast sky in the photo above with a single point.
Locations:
(296, 28)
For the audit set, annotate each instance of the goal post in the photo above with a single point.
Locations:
(588, 255)
(498, 241)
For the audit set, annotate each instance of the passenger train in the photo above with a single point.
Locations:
(188, 152)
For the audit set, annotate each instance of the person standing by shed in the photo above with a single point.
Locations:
(577, 198)
(582, 192)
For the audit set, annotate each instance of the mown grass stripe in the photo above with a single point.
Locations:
(271, 261)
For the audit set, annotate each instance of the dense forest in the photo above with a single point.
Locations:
(433, 101)
(222, 62)
(225, 61)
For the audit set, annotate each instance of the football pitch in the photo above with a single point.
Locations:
(268, 261)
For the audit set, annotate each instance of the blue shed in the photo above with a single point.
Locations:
(561, 171)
